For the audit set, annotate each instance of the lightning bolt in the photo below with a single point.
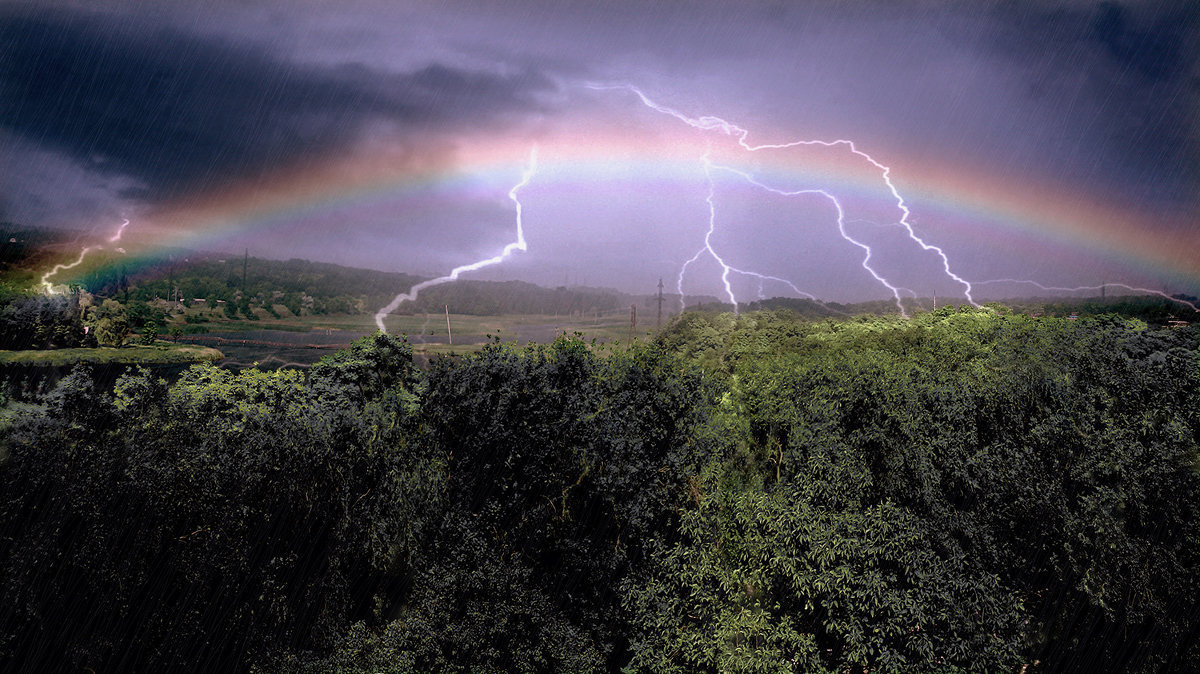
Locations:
(713, 123)
(726, 269)
(519, 244)
(60, 267)
(1148, 291)
(117, 237)
(841, 223)
(765, 277)
(45, 281)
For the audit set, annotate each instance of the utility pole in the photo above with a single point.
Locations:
(245, 261)
(1102, 287)
(935, 300)
(632, 321)
(449, 337)
(660, 301)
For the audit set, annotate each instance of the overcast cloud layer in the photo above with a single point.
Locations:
(125, 107)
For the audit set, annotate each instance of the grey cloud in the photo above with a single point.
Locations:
(180, 112)
(1155, 49)
(1109, 93)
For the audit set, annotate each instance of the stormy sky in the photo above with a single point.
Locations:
(1055, 142)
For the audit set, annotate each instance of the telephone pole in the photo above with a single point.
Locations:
(632, 321)
(660, 301)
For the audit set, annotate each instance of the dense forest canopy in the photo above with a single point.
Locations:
(967, 490)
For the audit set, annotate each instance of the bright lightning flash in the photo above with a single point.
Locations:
(1148, 291)
(726, 268)
(117, 237)
(519, 244)
(60, 267)
(82, 254)
(713, 123)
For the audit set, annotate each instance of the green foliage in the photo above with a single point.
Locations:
(205, 525)
(110, 321)
(149, 335)
(159, 354)
(1045, 466)
(768, 581)
(966, 490)
(142, 314)
(562, 469)
(37, 321)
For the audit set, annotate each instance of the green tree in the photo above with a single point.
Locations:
(562, 470)
(1048, 464)
(210, 524)
(149, 335)
(110, 321)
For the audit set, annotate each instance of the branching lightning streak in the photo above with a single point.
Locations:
(1148, 291)
(841, 222)
(682, 272)
(117, 237)
(60, 267)
(712, 225)
(519, 244)
(767, 277)
(45, 281)
(726, 268)
(713, 123)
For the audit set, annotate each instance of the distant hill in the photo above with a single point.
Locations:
(305, 286)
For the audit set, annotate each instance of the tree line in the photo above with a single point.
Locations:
(963, 491)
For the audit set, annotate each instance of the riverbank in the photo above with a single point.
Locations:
(161, 353)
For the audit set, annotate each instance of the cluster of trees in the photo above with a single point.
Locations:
(32, 320)
(304, 287)
(1153, 309)
(480, 514)
(243, 284)
(963, 491)
(320, 288)
(38, 321)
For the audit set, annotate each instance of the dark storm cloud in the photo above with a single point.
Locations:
(1154, 51)
(1122, 76)
(114, 99)
(179, 112)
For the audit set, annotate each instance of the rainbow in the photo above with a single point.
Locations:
(999, 209)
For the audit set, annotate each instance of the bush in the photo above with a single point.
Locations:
(149, 335)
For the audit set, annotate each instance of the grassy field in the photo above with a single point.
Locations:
(424, 329)
(521, 327)
(161, 353)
